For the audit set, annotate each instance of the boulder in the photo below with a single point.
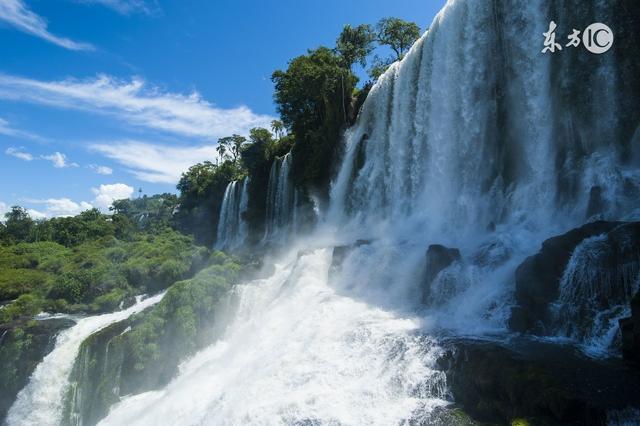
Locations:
(438, 257)
(538, 277)
(539, 383)
(341, 252)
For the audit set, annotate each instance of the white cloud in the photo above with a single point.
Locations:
(59, 160)
(137, 103)
(127, 7)
(101, 170)
(107, 194)
(156, 163)
(18, 15)
(7, 130)
(36, 214)
(4, 208)
(58, 207)
(22, 155)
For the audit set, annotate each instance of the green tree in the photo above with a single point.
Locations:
(232, 144)
(398, 34)
(277, 127)
(313, 97)
(222, 148)
(18, 224)
(355, 44)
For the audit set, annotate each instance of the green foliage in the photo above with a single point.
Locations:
(201, 191)
(313, 97)
(93, 276)
(398, 34)
(354, 44)
(229, 147)
(151, 214)
(18, 225)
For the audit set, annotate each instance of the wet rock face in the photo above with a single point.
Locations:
(538, 278)
(341, 252)
(539, 382)
(438, 257)
(23, 344)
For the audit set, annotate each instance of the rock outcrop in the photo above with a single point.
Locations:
(538, 277)
(542, 384)
(438, 257)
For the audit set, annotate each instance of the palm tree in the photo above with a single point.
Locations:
(278, 128)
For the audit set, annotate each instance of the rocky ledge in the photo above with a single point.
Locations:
(529, 382)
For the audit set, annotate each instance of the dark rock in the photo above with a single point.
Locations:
(341, 252)
(539, 382)
(538, 277)
(23, 344)
(596, 204)
(438, 257)
(630, 328)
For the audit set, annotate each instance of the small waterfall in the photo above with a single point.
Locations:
(594, 296)
(41, 402)
(281, 198)
(232, 227)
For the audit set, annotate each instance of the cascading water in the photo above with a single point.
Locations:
(41, 402)
(302, 351)
(593, 296)
(475, 140)
(280, 200)
(232, 227)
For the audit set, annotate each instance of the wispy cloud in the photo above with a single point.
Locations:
(59, 160)
(101, 170)
(137, 103)
(18, 15)
(127, 7)
(19, 153)
(156, 163)
(7, 130)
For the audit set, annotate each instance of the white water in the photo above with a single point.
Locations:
(40, 403)
(301, 351)
(232, 228)
(280, 200)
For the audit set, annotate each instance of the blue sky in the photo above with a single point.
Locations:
(101, 97)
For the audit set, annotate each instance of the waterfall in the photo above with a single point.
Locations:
(280, 200)
(232, 227)
(472, 128)
(275, 364)
(475, 140)
(40, 403)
